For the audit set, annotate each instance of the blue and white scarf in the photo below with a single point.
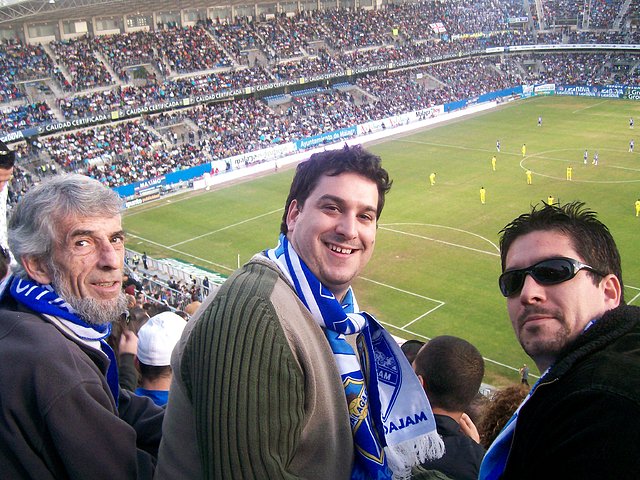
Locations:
(391, 419)
(495, 460)
(43, 299)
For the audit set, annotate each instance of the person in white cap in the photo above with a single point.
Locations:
(156, 340)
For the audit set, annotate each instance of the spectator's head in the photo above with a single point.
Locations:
(131, 301)
(154, 308)
(497, 411)
(561, 270)
(5, 261)
(331, 214)
(67, 233)
(450, 370)
(410, 348)
(191, 308)
(137, 317)
(7, 161)
(156, 340)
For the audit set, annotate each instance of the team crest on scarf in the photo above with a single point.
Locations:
(388, 372)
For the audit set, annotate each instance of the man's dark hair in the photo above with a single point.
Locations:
(452, 370)
(410, 348)
(7, 156)
(137, 317)
(332, 163)
(152, 372)
(5, 261)
(589, 237)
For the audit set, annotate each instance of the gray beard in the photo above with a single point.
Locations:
(95, 312)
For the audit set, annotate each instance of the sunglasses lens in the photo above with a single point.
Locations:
(552, 271)
(511, 282)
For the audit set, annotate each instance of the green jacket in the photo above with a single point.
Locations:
(256, 391)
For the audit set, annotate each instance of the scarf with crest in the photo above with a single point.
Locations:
(391, 419)
(43, 299)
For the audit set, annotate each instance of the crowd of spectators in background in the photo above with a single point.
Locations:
(285, 48)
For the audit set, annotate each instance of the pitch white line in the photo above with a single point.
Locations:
(410, 332)
(629, 302)
(439, 302)
(180, 252)
(446, 228)
(441, 241)
(227, 227)
(590, 106)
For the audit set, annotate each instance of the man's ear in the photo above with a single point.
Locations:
(36, 269)
(612, 291)
(292, 214)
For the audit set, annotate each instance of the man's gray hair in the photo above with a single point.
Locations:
(32, 229)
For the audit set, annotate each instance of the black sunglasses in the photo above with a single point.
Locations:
(546, 272)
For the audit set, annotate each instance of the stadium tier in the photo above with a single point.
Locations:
(158, 92)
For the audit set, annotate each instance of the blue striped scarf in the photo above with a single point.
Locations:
(43, 299)
(495, 460)
(391, 419)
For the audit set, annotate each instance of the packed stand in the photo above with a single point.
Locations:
(283, 38)
(127, 49)
(106, 152)
(471, 77)
(579, 69)
(308, 67)
(21, 117)
(351, 29)
(563, 12)
(603, 13)
(236, 37)
(20, 61)
(190, 49)
(233, 128)
(86, 71)
(153, 92)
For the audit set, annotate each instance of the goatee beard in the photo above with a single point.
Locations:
(95, 312)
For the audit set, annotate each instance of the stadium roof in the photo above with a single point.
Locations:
(13, 12)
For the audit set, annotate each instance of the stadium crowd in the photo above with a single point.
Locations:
(214, 56)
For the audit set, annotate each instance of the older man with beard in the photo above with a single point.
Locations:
(62, 414)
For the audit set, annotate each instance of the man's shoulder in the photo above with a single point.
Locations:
(13, 320)
(248, 290)
(256, 278)
(606, 358)
(28, 334)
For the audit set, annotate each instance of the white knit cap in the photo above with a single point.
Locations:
(158, 336)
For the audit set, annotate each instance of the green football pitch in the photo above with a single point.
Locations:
(436, 262)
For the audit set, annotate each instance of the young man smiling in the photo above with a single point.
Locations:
(267, 383)
(563, 283)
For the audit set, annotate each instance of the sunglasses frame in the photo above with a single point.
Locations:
(576, 266)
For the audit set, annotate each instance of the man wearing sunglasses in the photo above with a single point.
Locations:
(563, 284)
